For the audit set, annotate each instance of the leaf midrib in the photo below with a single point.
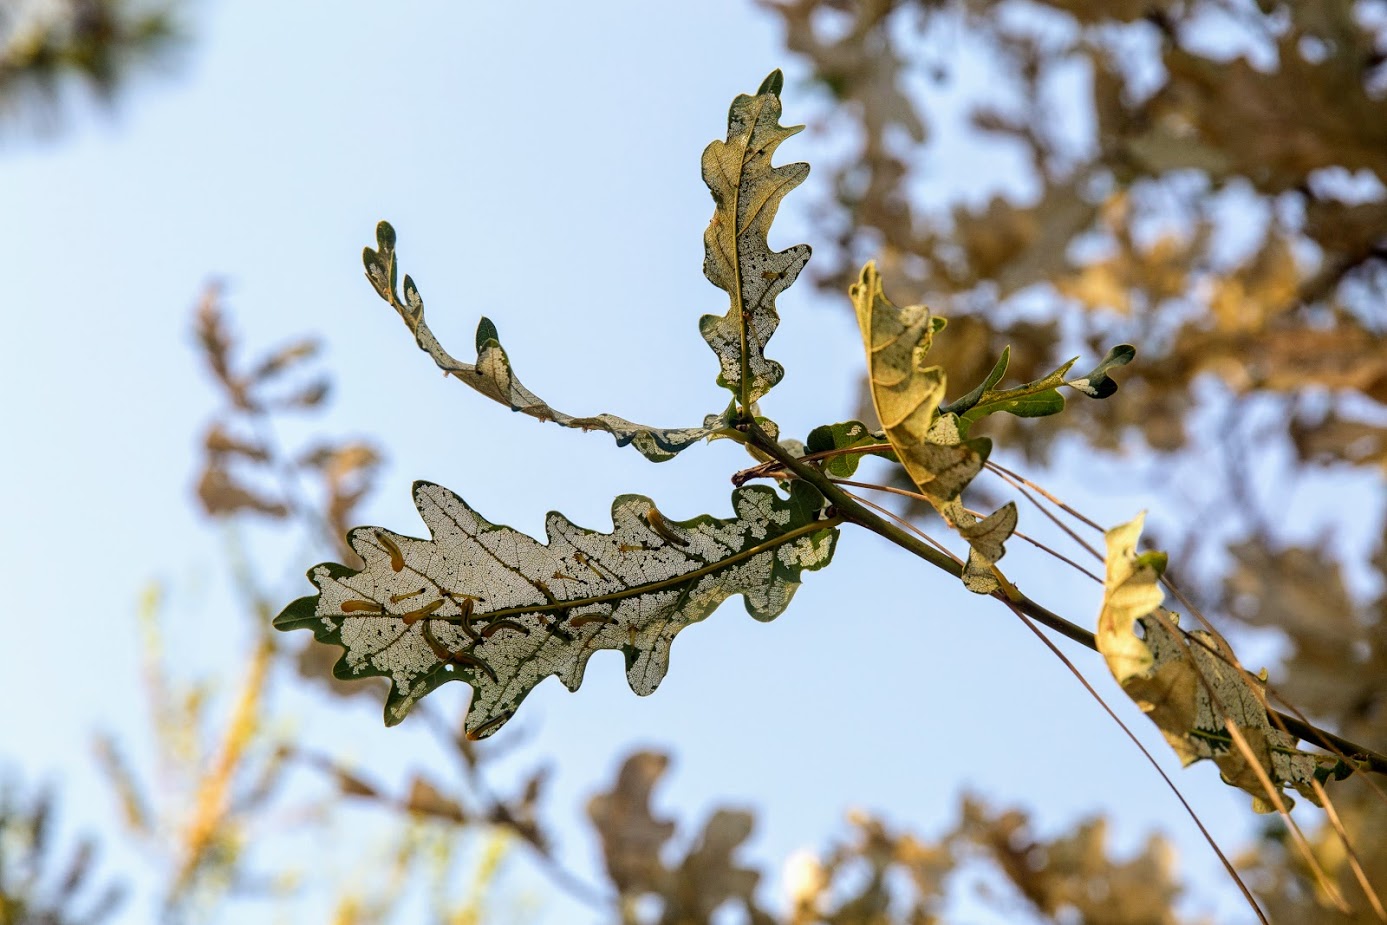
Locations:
(632, 591)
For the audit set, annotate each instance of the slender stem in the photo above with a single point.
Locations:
(852, 510)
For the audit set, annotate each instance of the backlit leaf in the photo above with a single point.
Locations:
(1189, 683)
(485, 604)
(928, 442)
(737, 258)
(492, 375)
(907, 393)
(844, 436)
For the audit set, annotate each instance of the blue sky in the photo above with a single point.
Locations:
(540, 164)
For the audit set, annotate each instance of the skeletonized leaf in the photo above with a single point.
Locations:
(737, 258)
(929, 444)
(1189, 683)
(985, 546)
(485, 604)
(492, 375)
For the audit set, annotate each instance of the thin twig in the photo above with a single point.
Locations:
(849, 508)
(1020, 485)
(1354, 863)
(1150, 759)
(1002, 470)
(1297, 836)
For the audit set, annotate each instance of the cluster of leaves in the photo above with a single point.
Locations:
(233, 770)
(489, 606)
(243, 470)
(1209, 119)
(1227, 211)
(44, 44)
(876, 875)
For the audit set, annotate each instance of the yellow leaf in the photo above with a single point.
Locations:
(1190, 684)
(907, 394)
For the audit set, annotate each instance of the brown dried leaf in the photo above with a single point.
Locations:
(1073, 876)
(427, 800)
(632, 838)
(222, 495)
(219, 442)
(283, 358)
(1334, 439)
(217, 344)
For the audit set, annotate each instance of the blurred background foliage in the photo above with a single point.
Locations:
(51, 49)
(1204, 178)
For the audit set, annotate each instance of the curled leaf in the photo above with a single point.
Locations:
(1190, 684)
(492, 376)
(747, 191)
(929, 442)
(907, 393)
(1096, 383)
(488, 605)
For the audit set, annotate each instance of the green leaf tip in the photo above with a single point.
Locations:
(773, 84)
(485, 604)
(965, 403)
(1096, 383)
(486, 332)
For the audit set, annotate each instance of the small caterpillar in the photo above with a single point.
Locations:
(490, 726)
(590, 618)
(582, 559)
(456, 658)
(492, 628)
(662, 527)
(471, 661)
(464, 618)
(397, 558)
(362, 607)
(415, 615)
(396, 598)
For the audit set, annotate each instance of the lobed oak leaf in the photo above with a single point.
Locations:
(485, 604)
